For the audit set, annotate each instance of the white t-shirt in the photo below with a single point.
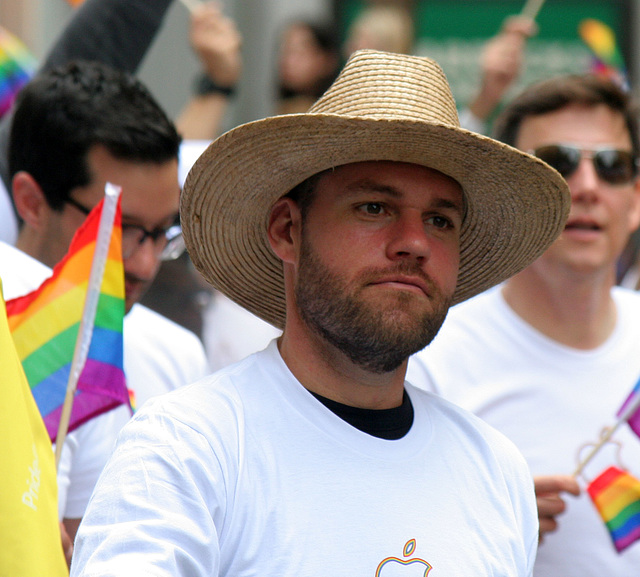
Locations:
(550, 400)
(8, 218)
(247, 473)
(159, 356)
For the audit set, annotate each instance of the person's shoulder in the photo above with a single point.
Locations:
(20, 273)
(475, 306)
(468, 426)
(463, 325)
(142, 319)
(213, 404)
(159, 354)
(626, 297)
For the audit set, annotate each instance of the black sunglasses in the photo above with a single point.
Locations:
(168, 242)
(612, 166)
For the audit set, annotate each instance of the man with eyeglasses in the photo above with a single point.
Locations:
(549, 356)
(75, 128)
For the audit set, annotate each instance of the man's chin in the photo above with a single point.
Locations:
(133, 295)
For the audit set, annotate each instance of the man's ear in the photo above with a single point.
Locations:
(29, 200)
(634, 212)
(284, 229)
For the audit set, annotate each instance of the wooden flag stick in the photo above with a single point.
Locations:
(85, 332)
(191, 5)
(531, 8)
(608, 433)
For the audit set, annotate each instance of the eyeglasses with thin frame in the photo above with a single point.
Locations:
(612, 165)
(168, 242)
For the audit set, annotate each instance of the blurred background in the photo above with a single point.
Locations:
(451, 31)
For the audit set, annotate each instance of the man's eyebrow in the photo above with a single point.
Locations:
(366, 185)
(446, 203)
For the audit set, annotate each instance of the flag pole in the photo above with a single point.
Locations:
(608, 433)
(191, 5)
(531, 8)
(81, 351)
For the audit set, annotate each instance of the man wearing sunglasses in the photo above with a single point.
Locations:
(75, 128)
(549, 357)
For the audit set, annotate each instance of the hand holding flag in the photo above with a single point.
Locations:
(615, 493)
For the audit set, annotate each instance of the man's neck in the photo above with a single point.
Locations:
(572, 309)
(324, 370)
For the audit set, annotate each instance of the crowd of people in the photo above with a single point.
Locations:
(391, 334)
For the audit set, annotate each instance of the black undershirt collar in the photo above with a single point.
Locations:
(390, 424)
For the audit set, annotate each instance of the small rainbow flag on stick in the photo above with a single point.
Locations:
(55, 331)
(607, 58)
(616, 495)
(628, 413)
(17, 65)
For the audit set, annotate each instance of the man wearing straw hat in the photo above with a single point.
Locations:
(551, 355)
(353, 227)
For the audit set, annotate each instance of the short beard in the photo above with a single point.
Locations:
(378, 340)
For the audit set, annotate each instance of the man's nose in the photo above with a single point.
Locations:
(409, 238)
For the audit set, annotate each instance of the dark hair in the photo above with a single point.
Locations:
(327, 40)
(556, 93)
(64, 112)
(304, 193)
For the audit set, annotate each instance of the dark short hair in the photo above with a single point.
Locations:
(64, 112)
(561, 91)
(304, 193)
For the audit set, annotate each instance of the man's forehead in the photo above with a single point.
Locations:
(382, 176)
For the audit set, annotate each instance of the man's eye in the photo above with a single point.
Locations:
(440, 222)
(372, 208)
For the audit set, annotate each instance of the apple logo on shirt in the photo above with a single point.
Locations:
(395, 567)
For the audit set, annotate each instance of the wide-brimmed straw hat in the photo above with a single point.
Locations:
(382, 107)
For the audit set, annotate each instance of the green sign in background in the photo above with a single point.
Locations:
(454, 32)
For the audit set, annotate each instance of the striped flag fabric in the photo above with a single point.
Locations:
(45, 325)
(630, 410)
(29, 529)
(616, 495)
(607, 58)
(17, 66)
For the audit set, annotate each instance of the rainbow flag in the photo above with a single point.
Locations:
(29, 529)
(632, 400)
(607, 58)
(45, 324)
(17, 66)
(616, 495)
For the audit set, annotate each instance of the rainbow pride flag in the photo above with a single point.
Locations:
(17, 66)
(607, 58)
(616, 495)
(45, 324)
(632, 400)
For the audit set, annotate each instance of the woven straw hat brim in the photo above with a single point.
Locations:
(516, 204)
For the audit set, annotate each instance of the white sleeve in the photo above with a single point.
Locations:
(157, 508)
(470, 121)
(86, 451)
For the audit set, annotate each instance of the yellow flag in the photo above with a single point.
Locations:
(30, 544)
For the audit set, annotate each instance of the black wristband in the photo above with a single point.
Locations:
(203, 85)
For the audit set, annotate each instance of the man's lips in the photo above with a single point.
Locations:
(405, 282)
(582, 230)
(582, 224)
